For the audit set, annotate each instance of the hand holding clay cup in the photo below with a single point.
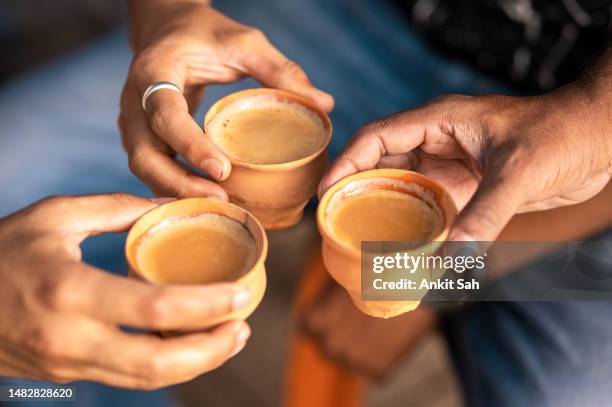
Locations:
(496, 155)
(191, 45)
(381, 205)
(200, 241)
(70, 327)
(276, 142)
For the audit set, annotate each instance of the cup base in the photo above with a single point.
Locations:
(385, 309)
(277, 218)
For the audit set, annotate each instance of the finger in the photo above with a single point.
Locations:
(82, 216)
(495, 202)
(408, 161)
(273, 69)
(162, 362)
(156, 167)
(126, 301)
(396, 134)
(170, 120)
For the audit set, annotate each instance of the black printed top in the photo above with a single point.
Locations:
(537, 44)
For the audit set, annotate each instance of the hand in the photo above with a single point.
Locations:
(495, 155)
(190, 44)
(60, 317)
(369, 346)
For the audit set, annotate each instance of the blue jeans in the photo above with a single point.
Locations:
(60, 137)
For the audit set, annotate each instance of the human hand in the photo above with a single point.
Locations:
(369, 346)
(61, 318)
(190, 44)
(495, 155)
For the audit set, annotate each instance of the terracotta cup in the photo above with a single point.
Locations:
(254, 279)
(275, 193)
(343, 262)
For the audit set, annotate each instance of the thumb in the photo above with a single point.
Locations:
(93, 214)
(273, 69)
(492, 206)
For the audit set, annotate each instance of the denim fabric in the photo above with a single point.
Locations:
(59, 136)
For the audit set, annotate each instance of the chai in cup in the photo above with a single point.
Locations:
(383, 215)
(200, 241)
(208, 248)
(276, 142)
(380, 205)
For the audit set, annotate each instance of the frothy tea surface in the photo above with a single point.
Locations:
(265, 130)
(383, 216)
(196, 250)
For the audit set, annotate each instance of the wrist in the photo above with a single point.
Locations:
(146, 17)
(582, 110)
(595, 87)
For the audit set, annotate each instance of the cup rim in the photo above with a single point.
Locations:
(155, 216)
(248, 93)
(394, 173)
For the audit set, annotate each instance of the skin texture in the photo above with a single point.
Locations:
(63, 316)
(497, 156)
(191, 45)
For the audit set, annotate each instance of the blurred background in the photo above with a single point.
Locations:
(34, 32)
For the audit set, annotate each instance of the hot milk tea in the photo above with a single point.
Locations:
(201, 249)
(266, 130)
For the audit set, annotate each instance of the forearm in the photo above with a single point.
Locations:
(146, 15)
(580, 113)
(596, 86)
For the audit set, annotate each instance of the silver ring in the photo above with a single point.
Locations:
(154, 88)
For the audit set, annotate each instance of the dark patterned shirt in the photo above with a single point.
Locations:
(538, 44)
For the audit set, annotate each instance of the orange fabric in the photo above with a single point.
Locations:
(313, 380)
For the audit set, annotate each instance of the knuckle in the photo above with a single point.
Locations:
(152, 373)
(121, 123)
(45, 344)
(149, 384)
(249, 37)
(489, 216)
(137, 160)
(155, 310)
(123, 198)
(255, 34)
(160, 118)
(57, 294)
(56, 375)
(180, 188)
(293, 69)
(452, 98)
(156, 366)
(372, 127)
(52, 203)
(142, 62)
(188, 148)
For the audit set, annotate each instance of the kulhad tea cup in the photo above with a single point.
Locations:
(275, 193)
(254, 279)
(343, 261)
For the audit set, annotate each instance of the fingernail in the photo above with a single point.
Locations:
(241, 299)
(162, 200)
(214, 168)
(325, 95)
(241, 340)
(460, 237)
